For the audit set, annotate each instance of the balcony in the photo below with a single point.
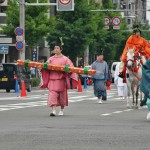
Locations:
(2, 14)
(2, 24)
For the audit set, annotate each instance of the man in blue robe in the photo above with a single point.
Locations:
(100, 77)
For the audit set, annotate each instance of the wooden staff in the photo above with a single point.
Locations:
(49, 66)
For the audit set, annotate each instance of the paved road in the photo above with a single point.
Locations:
(25, 123)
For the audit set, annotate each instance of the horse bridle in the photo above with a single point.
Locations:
(133, 69)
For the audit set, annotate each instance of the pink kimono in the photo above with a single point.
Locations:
(58, 82)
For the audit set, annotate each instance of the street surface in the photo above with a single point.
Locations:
(25, 123)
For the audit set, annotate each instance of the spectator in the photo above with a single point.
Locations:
(121, 87)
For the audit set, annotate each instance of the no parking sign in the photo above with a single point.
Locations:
(65, 5)
(116, 22)
(64, 2)
(107, 21)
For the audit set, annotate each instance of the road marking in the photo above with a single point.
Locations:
(117, 112)
(74, 97)
(128, 109)
(106, 114)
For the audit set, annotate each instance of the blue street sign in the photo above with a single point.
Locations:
(19, 45)
(4, 49)
(19, 31)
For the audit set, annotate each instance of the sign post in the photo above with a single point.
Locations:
(19, 38)
(22, 25)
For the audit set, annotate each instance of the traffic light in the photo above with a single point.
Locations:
(2, 1)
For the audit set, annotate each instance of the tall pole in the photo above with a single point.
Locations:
(3, 61)
(22, 25)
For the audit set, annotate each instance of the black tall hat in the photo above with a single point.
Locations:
(59, 42)
(100, 52)
(136, 29)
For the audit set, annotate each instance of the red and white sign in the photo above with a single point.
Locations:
(107, 21)
(116, 21)
(19, 45)
(65, 2)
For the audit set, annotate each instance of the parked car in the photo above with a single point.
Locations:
(9, 72)
(113, 67)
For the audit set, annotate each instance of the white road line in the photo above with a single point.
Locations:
(128, 109)
(2, 109)
(117, 112)
(74, 97)
(106, 114)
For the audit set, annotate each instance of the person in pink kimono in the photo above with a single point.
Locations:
(58, 82)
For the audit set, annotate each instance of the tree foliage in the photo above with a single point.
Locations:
(36, 22)
(77, 29)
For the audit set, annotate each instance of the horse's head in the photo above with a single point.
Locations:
(130, 57)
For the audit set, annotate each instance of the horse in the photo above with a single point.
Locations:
(134, 71)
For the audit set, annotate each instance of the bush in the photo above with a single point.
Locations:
(35, 82)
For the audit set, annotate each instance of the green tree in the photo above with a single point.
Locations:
(37, 23)
(77, 29)
(111, 41)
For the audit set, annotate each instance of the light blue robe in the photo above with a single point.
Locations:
(99, 78)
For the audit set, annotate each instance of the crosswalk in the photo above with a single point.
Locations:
(74, 97)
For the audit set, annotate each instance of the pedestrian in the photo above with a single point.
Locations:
(58, 82)
(121, 87)
(141, 46)
(100, 77)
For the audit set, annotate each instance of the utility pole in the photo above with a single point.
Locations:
(22, 25)
(86, 52)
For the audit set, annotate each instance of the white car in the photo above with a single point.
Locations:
(113, 67)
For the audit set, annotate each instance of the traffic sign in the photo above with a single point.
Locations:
(4, 49)
(106, 27)
(19, 31)
(116, 27)
(65, 2)
(116, 21)
(65, 5)
(19, 38)
(107, 21)
(19, 45)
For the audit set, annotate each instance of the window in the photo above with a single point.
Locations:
(129, 21)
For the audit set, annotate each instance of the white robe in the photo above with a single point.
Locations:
(122, 87)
